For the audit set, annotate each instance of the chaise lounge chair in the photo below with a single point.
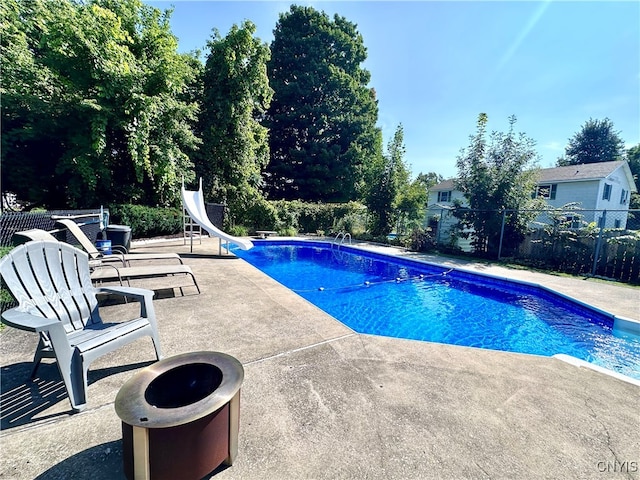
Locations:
(106, 271)
(125, 257)
(56, 299)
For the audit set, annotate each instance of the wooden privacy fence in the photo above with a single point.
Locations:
(620, 259)
(574, 252)
(569, 239)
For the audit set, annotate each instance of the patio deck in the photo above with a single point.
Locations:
(322, 402)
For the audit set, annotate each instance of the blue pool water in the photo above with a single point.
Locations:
(395, 297)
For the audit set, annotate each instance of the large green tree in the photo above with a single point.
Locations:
(322, 117)
(94, 103)
(496, 175)
(412, 201)
(393, 199)
(633, 157)
(386, 181)
(236, 95)
(597, 141)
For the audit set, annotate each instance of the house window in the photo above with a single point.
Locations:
(606, 193)
(617, 224)
(548, 191)
(624, 196)
(573, 221)
(444, 196)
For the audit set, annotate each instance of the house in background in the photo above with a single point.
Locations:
(439, 216)
(596, 187)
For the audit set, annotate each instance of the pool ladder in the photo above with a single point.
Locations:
(342, 236)
(340, 239)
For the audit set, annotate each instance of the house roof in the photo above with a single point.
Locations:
(587, 171)
(571, 173)
(443, 186)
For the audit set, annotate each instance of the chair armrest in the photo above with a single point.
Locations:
(26, 321)
(131, 292)
(94, 263)
(142, 295)
(119, 249)
(98, 264)
(114, 257)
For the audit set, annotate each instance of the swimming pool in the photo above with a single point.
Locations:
(397, 297)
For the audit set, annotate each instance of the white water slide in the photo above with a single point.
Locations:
(193, 203)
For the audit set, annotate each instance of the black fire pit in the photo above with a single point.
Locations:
(180, 416)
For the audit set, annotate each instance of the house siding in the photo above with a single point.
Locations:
(582, 184)
(584, 193)
(618, 182)
(446, 220)
(455, 195)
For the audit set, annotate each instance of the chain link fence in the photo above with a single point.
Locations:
(12, 222)
(604, 243)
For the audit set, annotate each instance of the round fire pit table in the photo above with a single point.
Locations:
(180, 416)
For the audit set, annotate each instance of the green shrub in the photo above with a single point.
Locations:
(367, 237)
(316, 216)
(306, 217)
(354, 222)
(147, 222)
(288, 232)
(287, 214)
(238, 231)
(421, 240)
(262, 215)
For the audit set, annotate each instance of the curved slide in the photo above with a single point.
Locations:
(193, 203)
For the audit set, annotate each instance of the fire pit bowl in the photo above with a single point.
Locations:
(180, 416)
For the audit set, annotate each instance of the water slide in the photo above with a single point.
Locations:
(193, 203)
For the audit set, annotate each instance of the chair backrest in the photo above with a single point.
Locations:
(51, 279)
(80, 236)
(33, 234)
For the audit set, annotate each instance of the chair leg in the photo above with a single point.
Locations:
(74, 378)
(78, 395)
(195, 283)
(43, 350)
(156, 346)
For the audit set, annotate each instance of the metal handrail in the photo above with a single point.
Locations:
(342, 236)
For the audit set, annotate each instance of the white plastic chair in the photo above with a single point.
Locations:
(51, 282)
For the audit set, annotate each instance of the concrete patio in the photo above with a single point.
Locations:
(320, 401)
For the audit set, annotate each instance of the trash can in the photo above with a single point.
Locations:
(119, 235)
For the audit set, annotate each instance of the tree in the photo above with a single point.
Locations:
(596, 142)
(94, 106)
(496, 175)
(388, 178)
(322, 117)
(412, 201)
(410, 205)
(633, 157)
(430, 179)
(236, 95)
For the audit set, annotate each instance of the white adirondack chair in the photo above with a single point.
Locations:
(52, 285)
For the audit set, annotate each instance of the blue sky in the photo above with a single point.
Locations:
(435, 65)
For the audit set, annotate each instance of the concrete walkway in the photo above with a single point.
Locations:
(322, 402)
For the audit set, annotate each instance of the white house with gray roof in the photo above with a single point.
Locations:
(595, 187)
